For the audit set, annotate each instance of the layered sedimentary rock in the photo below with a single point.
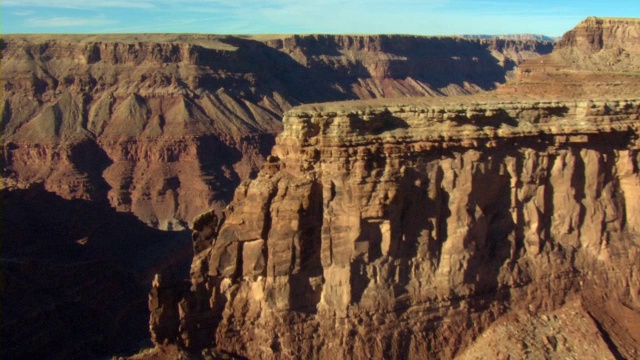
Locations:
(513, 37)
(603, 44)
(405, 230)
(166, 126)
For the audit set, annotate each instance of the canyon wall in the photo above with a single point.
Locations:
(603, 44)
(388, 228)
(96, 128)
(166, 126)
(405, 230)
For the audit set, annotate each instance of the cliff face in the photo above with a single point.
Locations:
(166, 126)
(404, 231)
(595, 35)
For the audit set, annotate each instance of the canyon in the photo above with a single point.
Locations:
(107, 139)
(425, 197)
(496, 225)
(166, 126)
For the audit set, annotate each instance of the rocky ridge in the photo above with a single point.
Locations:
(166, 126)
(410, 228)
(513, 37)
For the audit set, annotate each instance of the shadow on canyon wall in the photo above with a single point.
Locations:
(76, 275)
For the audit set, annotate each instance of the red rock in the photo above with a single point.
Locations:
(166, 126)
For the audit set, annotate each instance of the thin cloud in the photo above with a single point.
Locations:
(195, 4)
(433, 17)
(379, 17)
(510, 8)
(169, 26)
(23, 13)
(79, 4)
(68, 22)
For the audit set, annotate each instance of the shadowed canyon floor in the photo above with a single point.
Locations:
(75, 276)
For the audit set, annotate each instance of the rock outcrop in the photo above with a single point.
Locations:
(166, 126)
(404, 231)
(603, 44)
(408, 228)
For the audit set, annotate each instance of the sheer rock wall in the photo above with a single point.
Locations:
(403, 231)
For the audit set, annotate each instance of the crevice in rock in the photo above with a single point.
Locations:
(607, 339)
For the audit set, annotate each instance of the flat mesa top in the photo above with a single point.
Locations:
(487, 99)
(614, 19)
(205, 40)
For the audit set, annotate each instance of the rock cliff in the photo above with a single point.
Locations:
(405, 230)
(614, 42)
(166, 126)
(410, 228)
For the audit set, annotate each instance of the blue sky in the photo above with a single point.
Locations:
(425, 17)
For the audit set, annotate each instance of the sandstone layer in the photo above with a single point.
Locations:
(408, 229)
(166, 126)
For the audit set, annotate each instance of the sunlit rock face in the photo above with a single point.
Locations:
(405, 230)
(599, 58)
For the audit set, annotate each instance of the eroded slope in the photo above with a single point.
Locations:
(166, 126)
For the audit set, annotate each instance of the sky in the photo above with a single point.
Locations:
(425, 17)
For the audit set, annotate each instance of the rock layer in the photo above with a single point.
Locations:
(403, 231)
(166, 126)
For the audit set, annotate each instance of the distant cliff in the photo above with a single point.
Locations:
(166, 126)
(599, 58)
(513, 37)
